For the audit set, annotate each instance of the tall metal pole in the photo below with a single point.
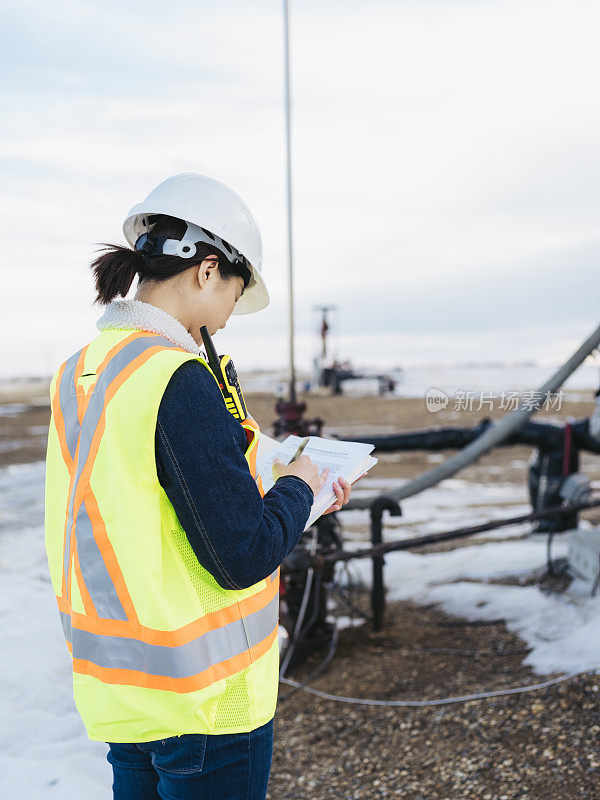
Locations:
(289, 194)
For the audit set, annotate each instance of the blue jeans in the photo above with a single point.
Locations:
(195, 766)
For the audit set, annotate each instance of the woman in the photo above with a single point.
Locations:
(163, 550)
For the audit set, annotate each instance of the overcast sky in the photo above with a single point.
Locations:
(446, 168)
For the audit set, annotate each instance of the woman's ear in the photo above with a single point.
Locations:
(206, 269)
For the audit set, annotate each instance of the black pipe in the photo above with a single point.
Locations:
(380, 505)
(432, 538)
(543, 435)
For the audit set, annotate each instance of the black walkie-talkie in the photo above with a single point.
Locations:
(224, 372)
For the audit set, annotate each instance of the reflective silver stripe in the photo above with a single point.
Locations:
(68, 403)
(68, 406)
(183, 661)
(65, 620)
(85, 433)
(95, 575)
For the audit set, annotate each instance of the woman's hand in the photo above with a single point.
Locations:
(307, 470)
(303, 468)
(342, 490)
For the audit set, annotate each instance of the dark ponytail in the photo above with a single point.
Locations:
(117, 265)
(114, 271)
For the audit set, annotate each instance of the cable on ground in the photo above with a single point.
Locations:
(466, 698)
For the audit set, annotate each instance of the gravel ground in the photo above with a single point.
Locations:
(537, 746)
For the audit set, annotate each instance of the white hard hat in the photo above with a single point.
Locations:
(215, 214)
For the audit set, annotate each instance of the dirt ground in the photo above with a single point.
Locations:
(539, 746)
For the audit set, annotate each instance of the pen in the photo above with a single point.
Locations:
(299, 451)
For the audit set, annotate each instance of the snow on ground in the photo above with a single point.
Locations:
(563, 630)
(44, 751)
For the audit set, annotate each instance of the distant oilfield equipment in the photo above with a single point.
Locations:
(330, 372)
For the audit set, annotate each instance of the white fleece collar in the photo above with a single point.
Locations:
(145, 317)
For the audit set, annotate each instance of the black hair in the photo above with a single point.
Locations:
(117, 265)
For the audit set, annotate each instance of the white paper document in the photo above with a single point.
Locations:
(347, 460)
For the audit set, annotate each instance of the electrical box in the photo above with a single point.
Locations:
(584, 554)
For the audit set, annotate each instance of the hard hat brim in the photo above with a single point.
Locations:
(255, 297)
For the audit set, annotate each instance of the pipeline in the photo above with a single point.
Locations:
(545, 436)
(319, 561)
(493, 436)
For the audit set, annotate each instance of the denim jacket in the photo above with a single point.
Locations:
(237, 535)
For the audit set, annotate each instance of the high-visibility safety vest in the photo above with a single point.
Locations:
(159, 648)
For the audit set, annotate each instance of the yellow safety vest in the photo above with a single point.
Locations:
(159, 648)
